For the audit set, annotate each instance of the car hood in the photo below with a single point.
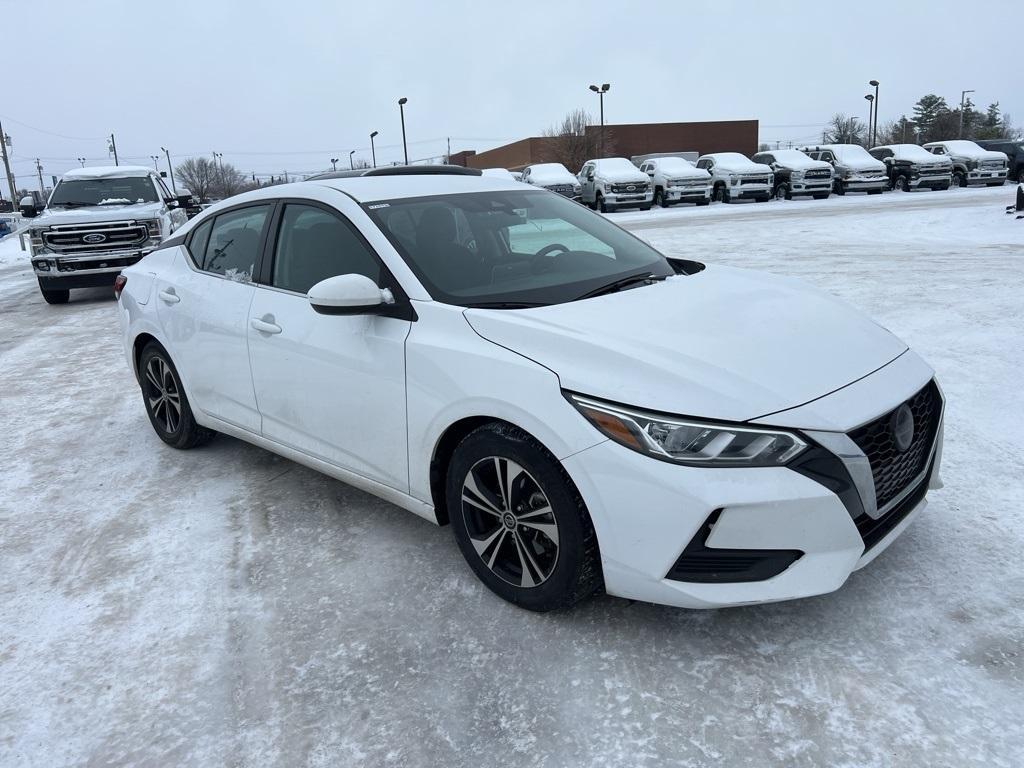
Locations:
(686, 173)
(623, 177)
(736, 166)
(724, 343)
(550, 178)
(96, 213)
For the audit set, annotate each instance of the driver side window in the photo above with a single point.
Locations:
(313, 244)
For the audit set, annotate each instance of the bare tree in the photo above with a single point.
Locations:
(571, 144)
(845, 130)
(229, 181)
(198, 174)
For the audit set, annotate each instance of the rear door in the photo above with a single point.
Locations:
(204, 309)
(331, 386)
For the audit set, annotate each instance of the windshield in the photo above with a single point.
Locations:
(113, 191)
(511, 248)
(674, 165)
(912, 152)
(616, 165)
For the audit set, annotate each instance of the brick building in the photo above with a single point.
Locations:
(627, 140)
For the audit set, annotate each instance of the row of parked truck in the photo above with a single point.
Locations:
(814, 171)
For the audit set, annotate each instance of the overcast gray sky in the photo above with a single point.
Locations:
(286, 85)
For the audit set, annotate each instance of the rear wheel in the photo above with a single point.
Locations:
(519, 520)
(166, 404)
(55, 296)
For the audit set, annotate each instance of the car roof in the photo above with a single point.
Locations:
(109, 172)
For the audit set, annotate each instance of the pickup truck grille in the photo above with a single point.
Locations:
(83, 238)
(754, 180)
(933, 170)
(638, 187)
(562, 189)
(818, 173)
(992, 165)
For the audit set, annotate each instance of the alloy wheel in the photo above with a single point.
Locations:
(163, 395)
(510, 522)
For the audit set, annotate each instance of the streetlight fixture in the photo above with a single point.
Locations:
(605, 87)
(963, 105)
(154, 158)
(373, 152)
(871, 105)
(334, 163)
(351, 166)
(874, 125)
(170, 170)
(82, 161)
(401, 108)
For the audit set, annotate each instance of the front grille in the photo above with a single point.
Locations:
(562, 189)
(873, 530)
(892, 469)
(992, 165)
(754, 180)
(628, 189)
(821, 173)
(111, 235)
(933, 170)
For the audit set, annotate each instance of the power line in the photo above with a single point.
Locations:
(52, 133)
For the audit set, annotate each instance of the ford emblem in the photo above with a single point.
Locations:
(96, 237)
(630, 188)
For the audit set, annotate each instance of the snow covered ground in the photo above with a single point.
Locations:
(227, 607)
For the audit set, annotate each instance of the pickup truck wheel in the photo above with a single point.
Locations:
(166, 403)
(782, 192)
(838, 187)
(57, 296)
(959, 180)
(900, 183)
(660, 199)
(600, 204)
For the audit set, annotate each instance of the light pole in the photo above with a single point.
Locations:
(401, 108)
(373, 152)
(82, 161)
(600, 94)
(963, 104)
(351, 167)
(334, 163)
(5, 145)
(154, 158)
(170, 170)
(871, 104)
(874, 125)
(113, 148)
(39, 170)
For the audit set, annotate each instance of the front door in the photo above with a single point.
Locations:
(331, 386)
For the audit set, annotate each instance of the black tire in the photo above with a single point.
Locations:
(601, 204)
(838, 187)
(55, 296)
(159, 378)
(660, 199)
(562, 578)
(718, 193)
(900, 183)
(959, 179)
(782, 192)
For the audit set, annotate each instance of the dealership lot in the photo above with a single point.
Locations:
(225, 606)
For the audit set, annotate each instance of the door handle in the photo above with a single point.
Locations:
(263, 326)
(169, 296)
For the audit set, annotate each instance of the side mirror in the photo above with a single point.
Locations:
(28, 207)
(163, 174)
(590, 177)
(650, 171)
(348, 295)
(171, 202)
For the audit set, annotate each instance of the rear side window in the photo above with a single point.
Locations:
(313, 245)
(234, 242)
(197, 244)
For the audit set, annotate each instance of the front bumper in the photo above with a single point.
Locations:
(810, 186)
(985, 176)
(627, 200)
(62, 270)
(932, 181)
(687, 194)
(649, 515)
(743, 191)
(865, 184)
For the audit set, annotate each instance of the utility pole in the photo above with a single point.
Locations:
(963, 104)
(5, 143)
(113, 148)
(448, 157)
(170, 171)
(874, 125)
(39, 170)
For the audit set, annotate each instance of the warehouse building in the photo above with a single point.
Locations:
(626, 140)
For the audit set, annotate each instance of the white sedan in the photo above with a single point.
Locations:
(584, 412)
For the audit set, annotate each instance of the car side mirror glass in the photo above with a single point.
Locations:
(28, 207)
(171, 202)
(348, 295)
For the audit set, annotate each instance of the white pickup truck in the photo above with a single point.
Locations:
(677, 180)
(972, 164)
(96, 222)
(736, 177)
(611, 183)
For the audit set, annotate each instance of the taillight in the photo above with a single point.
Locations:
(119, 283)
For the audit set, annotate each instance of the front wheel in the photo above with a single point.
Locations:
(900, 184)
(660, 199)
(55, 296)
(519, 520)
(166, 404)
(782, 192)
(959, 180)
(601, 204)
(838, 187)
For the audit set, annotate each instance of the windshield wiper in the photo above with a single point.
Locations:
(505, 305)
(643, 278)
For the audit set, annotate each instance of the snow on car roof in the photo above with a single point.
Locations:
(963, 147)
(108, 172)
(500, 173)
(794, 158)
(910, 152)
(673, 163)
(615, 164)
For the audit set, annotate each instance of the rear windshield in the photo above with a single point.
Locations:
(511, 248)
(123, 191)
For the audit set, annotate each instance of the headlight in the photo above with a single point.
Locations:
(153, 225)
(36, 237)
(842, 171)
(576, 189)
(690, 442)
(797, 175)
